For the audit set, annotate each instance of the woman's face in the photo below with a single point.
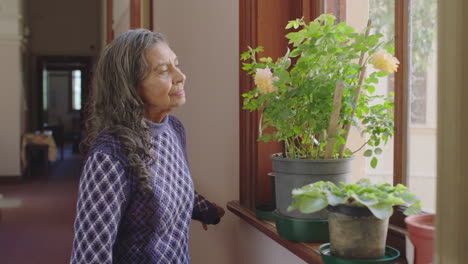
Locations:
(163, 86)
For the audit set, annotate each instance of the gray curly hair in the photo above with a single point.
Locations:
(114, 102)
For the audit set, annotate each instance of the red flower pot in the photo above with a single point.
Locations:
(421, 233)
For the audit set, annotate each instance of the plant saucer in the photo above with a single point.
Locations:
(302, 230)
(391, 256)
(265, 212)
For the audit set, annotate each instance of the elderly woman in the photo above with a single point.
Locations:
(136, 196)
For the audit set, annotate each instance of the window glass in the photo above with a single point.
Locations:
(76, 87)
(382, 15)
(423, 101)
(45, 92)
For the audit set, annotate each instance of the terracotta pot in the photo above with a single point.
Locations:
(421, 233)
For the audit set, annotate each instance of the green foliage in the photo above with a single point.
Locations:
(325, 53)
(379, 198)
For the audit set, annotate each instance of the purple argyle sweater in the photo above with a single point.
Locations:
(116, 222)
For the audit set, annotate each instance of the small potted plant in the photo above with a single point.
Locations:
(358, 214)
(312, 96)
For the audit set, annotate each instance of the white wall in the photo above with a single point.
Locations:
(205, 36)
(10, 87)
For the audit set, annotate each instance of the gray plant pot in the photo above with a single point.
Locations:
(295, 173)
(355, 233)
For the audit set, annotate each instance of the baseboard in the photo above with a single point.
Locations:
(10, 179)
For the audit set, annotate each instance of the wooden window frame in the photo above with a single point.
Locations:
(249, 120)
(109, 21)
(135, 17)
(252, 184)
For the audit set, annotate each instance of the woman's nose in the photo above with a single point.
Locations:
(179, 77)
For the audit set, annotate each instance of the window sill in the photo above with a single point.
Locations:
(307, 251)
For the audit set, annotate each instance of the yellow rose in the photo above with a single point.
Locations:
(384, 61)
(264, 80)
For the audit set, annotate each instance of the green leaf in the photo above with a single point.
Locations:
(334, 199)
(366, 199)
(341, 140)
(381, 210)
(295, 53)
(368, 153)
(382, 74)
(297, 129)
(310, 205)
(413, 209)
(374, 162)
(378, 151)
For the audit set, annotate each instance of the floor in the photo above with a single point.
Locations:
(41, 230)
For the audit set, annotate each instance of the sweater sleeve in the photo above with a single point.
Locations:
(103, 192)
(204, 211)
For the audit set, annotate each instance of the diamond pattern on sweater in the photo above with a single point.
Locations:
(101, 198)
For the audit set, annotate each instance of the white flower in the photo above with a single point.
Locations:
(264, 80)
(384, 61)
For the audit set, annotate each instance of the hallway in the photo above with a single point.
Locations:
(41, 230)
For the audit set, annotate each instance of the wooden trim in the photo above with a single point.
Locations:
(400, 160)
(316, 8)
(151, 15)
(307, 251)
(109, 22)
(11, 179)
(343, 10)
(248, 121)
(135, 14)
(70, 91)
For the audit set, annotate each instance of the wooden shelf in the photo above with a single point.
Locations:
(307, 251)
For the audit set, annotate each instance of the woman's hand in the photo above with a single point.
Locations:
(220, 212)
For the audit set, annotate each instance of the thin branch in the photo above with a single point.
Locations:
(362, 146)
(358, 93)
(334, 119)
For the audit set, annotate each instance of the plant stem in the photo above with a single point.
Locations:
(334, 118)
(358, 93)
(361, 146)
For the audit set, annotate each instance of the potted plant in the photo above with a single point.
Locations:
(358, 213)
(421, 230)
(313, 95)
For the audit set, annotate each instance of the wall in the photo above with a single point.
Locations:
(452, 160)
(205, 36)
(64, 27)
(11, 95)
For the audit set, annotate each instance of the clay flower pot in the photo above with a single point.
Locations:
(421, 233)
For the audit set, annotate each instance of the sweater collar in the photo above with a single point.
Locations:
(158, 128)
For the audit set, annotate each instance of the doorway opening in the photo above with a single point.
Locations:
(63, 83)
